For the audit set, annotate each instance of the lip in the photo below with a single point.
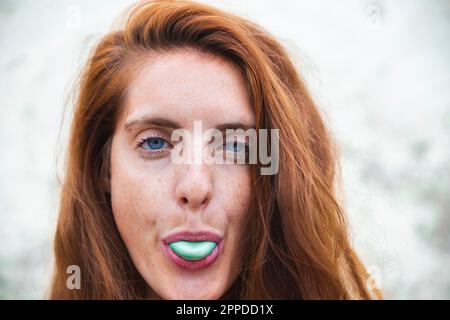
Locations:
(192, 236)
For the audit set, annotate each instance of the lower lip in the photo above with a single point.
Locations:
(193, 264)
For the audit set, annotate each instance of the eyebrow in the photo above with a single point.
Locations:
(235, 126)
(152, 122)
(147, 121)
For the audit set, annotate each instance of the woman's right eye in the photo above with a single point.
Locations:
(154, 144)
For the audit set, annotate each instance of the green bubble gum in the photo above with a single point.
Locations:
(193, 250)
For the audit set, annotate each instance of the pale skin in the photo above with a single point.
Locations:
(152, 197)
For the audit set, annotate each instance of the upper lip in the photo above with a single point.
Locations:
(192, 236)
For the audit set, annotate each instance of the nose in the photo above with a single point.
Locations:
(194, 187)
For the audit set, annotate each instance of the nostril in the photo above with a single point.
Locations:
(185, 201)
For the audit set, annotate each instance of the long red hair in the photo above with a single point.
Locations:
(296, 237)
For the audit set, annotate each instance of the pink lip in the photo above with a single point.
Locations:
(192, 236)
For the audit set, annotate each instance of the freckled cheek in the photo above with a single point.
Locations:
(236, 191)
(139, 195)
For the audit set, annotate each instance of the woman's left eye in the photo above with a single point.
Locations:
(235, 146)
(153, 143)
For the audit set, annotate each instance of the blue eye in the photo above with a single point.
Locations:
(235, 146)
(153, 143)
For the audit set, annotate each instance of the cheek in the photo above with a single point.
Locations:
(234, 195)
(131, 193)
(139, 196)
(235, 191)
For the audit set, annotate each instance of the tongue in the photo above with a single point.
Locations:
(193, 250)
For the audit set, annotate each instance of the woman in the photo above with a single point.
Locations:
(141, 226)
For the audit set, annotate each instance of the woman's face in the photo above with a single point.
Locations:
(181, 222)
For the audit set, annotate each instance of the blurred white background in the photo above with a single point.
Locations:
(379, 71)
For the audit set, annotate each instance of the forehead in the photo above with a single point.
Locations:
(187, 85)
